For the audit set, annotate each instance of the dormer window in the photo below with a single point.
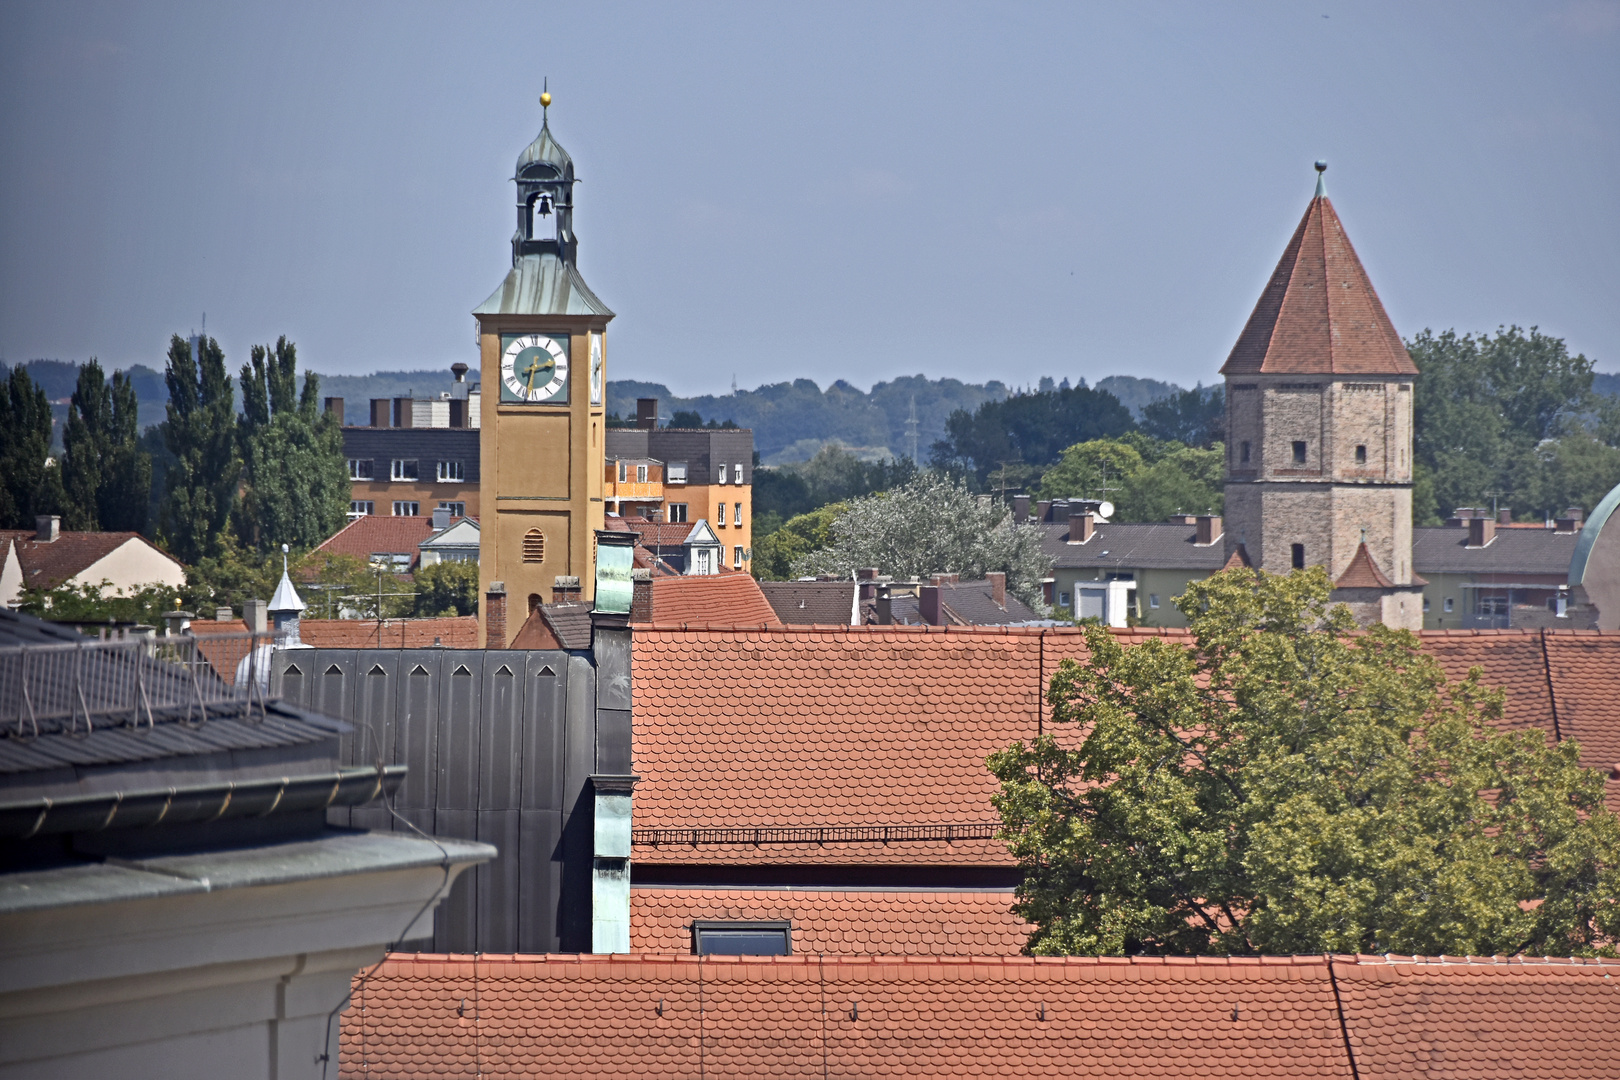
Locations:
(722, 474)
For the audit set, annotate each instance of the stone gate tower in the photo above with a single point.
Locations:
(1319, 428)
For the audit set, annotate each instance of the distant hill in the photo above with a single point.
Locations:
(1606, 384)
(59, 377)
(357, 390)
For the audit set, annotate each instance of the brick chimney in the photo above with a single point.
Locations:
(928, 604)
(1209, 529)
(1571, 521)
(1043, 510)
(647, 412)
(1081, 528)
(998, 587)
(641, 598)
(1461, 516)
(47, 527)
(866, 582)
(1481, 531)
(1182, 519)
(382, 411)
(256, 614)
(945, 579)
(1020, 505)
(565, 589)
(1504, 515)
(334, 405)
(495, 616)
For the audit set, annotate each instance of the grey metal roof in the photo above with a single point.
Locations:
(1152, 546)
(543, 285)
(1514, 551)
(1589, 534)
(822, 603)
(545, 150)
(19, 629)
(970, 602)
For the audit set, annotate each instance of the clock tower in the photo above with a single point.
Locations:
(542, 344)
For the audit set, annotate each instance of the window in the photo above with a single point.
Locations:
(1450, 604)
(1243, 453)
(736, 473)
(623, 474)
(397, 561)
(737, 557)
(677, 513)
(1063, 599)
(534, 546)
(675, 472)
(457, 509)
(1425, 605)
(720, 518)
(1153, 599)
(1299, 554)
(742, 938)
(1492, 605)
(641, 474)
(1299, 453)
(1361, 455)
(407, 509)
(360, 469)
(736, 518)
(403, 470)
(721, 473)
(451, 472)
(361, 508)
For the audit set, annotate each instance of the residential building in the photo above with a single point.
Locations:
(814, 603)
(943, 600)
(708, 473)
(1319, 428)
(120, 562)
(542, 346)
(1485, 571)
(171, 900)
(411, 472)
(404, 543)
(701, 600)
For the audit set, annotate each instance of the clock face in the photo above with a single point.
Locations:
(534, 367)
(596, 369)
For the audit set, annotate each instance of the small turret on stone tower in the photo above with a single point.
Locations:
(1319, 428)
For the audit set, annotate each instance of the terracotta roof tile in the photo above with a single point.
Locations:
(1583, 667)
(734, 599)
(453, 632)
(1363, 572)
(46, 564)
(375, 533)
(1319, 314)
(917, 922)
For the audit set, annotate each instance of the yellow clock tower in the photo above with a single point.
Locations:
(542, 342)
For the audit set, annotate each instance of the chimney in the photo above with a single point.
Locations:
(458, 412)
(883, 607)
(1209, 529)
(1481, 531)
(402, 412)
(998, 587)
(565, 589)
(641, 596)
(1081, 528)
(1504, 515)
(928, 604)
(459, 371)
(495, 616)
(334, 405)
(1571, 521)
(47, 527)
(256, 613)
(380, 411)
(1020, 507)
(1182, 519)
(441, 518)
(1043, 510)
(177, 622)
(1461, 516)
(647, 412)
(866, 582)
(1060, 510)
(223, 614)
(945, 579)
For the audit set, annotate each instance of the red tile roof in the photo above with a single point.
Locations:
(46, 564)
(453, 632)
(654, 534)
(1583, 667)
(733, 599)
(892, 922)
(1363, 573)
(374, 533)
(1319, 314)
(814, 1016)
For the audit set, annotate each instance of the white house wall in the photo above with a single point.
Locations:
(130, 567)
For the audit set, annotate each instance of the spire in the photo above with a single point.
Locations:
(1363, 572)
(286, 599)
(1319, 314)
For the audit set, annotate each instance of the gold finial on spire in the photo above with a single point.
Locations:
(545, 95)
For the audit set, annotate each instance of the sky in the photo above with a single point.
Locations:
(826, 191)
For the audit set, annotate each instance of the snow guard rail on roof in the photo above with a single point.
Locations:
(133, 680)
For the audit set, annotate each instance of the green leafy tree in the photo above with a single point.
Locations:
(297, 482)
(106, 475)
(1285, 784)
(1089, 469)
(1196, 417)
(200, 433)
(1576, 470)
(89, 604)
(447, 588)
(776, 551)
(1029, 429)
(1188, 480)
(834, 474)
(25, 444)
(933, 524)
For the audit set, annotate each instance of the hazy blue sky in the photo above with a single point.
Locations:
(825, 190)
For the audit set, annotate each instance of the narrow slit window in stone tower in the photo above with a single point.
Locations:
(1299, 453)
(1361, 455)
(1243, 453)
(1299, 550)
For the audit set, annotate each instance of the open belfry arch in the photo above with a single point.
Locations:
(1319, 392)
(542, 354)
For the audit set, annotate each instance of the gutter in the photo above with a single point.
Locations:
(198, 802)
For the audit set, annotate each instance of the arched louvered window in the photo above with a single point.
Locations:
(534, 546)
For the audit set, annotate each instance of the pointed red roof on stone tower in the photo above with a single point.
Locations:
(1319, 314)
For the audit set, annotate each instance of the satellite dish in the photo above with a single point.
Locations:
(1105, 509)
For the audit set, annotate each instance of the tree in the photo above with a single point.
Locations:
(1096, 469)
(25, 444)
(200, 485)
(106, 476)
(1284, 784)
(776, 552)
(297, 481)
(101, 603)
(933, 525)
(1031, 429)
(1196, 417)
(1146, 479)
(447, 588)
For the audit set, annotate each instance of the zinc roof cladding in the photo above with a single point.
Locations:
(46, 564)
(545, 150)
(815, 1016)
(1524, 551)
(1125, 546)
(1319, 314)
(900, 922)
(543, 285)
(811, 603)
(734, 599)
(1481, 1019)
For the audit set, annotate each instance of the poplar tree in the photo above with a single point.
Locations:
(25, 444)
(106, 476)
(200, 485)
